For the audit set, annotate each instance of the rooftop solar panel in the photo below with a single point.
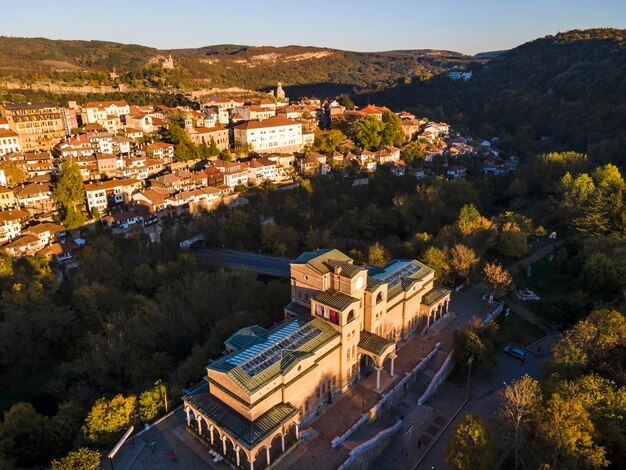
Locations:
(259, 357)
(394, 277)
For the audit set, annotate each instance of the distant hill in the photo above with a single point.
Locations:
(489, 54)
(563, 91)
(227, 65)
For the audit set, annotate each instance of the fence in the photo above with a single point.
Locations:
(374, 443)
(493, 315)
(392, 395)
(439, 377)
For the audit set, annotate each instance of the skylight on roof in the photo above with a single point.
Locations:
(257, 358)
(394, 277)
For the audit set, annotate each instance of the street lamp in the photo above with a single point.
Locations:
(469, 373)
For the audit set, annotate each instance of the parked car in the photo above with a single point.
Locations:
(515, 352)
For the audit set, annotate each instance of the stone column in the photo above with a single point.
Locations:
(188, 416)
(237, 449)
(224, 445)
(251, 464)
(282, 441)
(393, 357)
(297, 431)
(378, 369)
(267, 454)
(199, 419)
(211, 428)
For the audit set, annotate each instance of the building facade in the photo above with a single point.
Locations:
(342, 318)
(39, 126)
(271, 135)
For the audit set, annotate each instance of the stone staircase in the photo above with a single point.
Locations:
(414, 425)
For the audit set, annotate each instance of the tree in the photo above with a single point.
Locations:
(436, 259)
(462, 259)
(328, 140)
(377, 255)
(518, 402)
(14, 174)
(69, 194)
(108, 417)
(470, 445)
(562, 435)
(26, 435)
(152, 402)
(469, 219)
(591, 342)
(412, 152)
(468, 344)
(79, 459)
(345, 101)
(497, 278)
(511, 241)
(213, 149)
(392, 133)
(367, 132)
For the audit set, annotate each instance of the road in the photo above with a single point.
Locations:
(247, 261)
(484, 397)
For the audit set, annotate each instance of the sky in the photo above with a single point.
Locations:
(468, 26)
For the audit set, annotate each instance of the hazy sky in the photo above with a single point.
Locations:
(463, 25)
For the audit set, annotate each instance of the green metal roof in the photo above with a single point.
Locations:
(248, 336)
(318, 260)
(297, 309)
(434, 295)
(347, 269)
(334, 299)
(247, 433)
(374, 344)
(235, 364)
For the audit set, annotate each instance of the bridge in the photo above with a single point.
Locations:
(244, 260)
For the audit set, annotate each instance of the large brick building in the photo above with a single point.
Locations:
(342, 318)
(39, 126)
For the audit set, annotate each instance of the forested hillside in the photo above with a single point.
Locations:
(566, 92)
(331, 70)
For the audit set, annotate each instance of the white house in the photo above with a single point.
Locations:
(275, 134)
(262, 169)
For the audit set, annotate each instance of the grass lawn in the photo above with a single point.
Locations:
(550, 285)
(515, 329)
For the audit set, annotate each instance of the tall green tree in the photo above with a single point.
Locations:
(563, 436)
(470, 446)
(518, 403)
(368, 132)
(108, 418)
(79, 459)
(392, 133)
(69, 195)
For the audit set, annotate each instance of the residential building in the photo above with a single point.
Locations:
(7, 198)
(9, 142)
(35, 197)
(343, 319)
(456, 172)
(160, 150)
(39, 126)
(262, 169)
(155, 199)
(271, 135)
(108, 193)
(11, 223)
(219, 134)
(97, 112)
(255, 113)
(235, 173)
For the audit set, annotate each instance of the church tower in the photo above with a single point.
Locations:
(280, 94)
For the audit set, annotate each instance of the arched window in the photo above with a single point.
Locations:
(350, 316)
(379, 298)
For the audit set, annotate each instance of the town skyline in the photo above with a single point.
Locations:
(467, 29)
